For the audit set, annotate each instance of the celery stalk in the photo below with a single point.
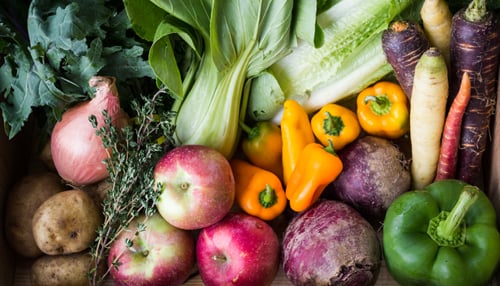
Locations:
(350, 58)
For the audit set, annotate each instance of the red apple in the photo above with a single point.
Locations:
(198, 186)
(151, 252)
(239, 250)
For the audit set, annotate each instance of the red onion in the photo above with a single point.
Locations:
(77, 151)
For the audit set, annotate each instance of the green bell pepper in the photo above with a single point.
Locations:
(445, 234)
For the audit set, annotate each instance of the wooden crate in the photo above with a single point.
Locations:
(12, 167)
(15, 270)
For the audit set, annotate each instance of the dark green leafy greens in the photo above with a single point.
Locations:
(49, 56)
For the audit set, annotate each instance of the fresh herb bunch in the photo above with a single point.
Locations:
(135, 150)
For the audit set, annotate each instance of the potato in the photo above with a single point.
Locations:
(46, 157)
(66, 223)
(22, 202)
(65, 270)
(99, 191)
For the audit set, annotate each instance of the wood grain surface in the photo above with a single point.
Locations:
(22, 277)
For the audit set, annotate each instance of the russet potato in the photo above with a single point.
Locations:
(63, 270)
(66, 223)
(23, 200)
(99, 191)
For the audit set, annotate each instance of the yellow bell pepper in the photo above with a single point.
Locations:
(296, 133)
(382, 110)
(318, 166)
(258, 192)
(335, 123)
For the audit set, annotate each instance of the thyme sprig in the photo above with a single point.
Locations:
(134, 151)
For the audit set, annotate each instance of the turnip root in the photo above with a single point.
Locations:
(331, 244)
(375, 172)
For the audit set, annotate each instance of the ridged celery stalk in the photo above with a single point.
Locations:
(350, 59)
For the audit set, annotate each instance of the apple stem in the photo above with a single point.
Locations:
(131, 248)
(144, 253)
(221, 258)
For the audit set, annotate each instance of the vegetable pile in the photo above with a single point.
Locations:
(309, 126)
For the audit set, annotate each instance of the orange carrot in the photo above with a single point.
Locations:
(447, 164)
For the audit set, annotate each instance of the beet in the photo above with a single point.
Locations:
(375, 172)
(331, 244)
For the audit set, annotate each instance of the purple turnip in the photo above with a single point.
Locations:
(331, 244)
(375, 172)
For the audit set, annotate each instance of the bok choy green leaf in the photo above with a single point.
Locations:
(227, 43)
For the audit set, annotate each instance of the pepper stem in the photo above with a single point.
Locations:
(380, 104)
(329, 148)
(448, 228)
(333, 125)
(268, 197)
(245, 127)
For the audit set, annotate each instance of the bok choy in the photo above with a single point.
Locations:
(206, 53)
(350, 59)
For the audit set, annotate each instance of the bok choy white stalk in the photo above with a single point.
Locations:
(350, 59)
(231, 41)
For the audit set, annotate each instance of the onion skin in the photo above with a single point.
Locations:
(77, 151)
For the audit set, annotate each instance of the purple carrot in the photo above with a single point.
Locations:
(474, 48)
(403, 43)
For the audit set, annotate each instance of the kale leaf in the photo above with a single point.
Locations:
(67, 43)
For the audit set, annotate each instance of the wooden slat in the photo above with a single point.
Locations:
(22, 277)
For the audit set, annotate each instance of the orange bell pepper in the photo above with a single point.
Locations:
(296, 133)
(258, 192)
(317, 167)
(263, 146)
(336, 123)
(383, 111)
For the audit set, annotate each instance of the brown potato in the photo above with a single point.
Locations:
(99, 191)
(46, 157)
(22, 202)
(66, 223)
(64, 270)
